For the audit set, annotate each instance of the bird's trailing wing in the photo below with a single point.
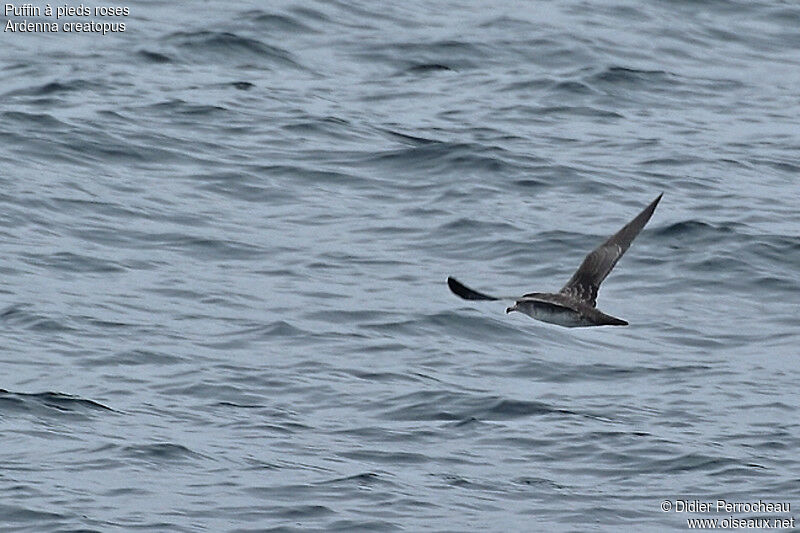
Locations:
(465, 292)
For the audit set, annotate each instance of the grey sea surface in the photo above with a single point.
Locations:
(225, 234)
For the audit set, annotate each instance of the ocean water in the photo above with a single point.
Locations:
(225, 234)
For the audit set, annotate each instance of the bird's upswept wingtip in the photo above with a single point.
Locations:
(655, 202)
(652, 207)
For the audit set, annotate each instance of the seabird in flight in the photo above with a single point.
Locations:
(575, 304)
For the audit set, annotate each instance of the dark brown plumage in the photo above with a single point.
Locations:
(575, 304)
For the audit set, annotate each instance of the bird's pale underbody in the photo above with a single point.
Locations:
(575, 305)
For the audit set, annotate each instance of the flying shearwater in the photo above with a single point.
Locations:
(575, 305)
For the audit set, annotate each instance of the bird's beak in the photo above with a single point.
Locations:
(512, 308)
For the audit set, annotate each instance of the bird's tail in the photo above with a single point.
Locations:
(608, 320)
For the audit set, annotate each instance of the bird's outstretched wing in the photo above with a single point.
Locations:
(584, 284)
